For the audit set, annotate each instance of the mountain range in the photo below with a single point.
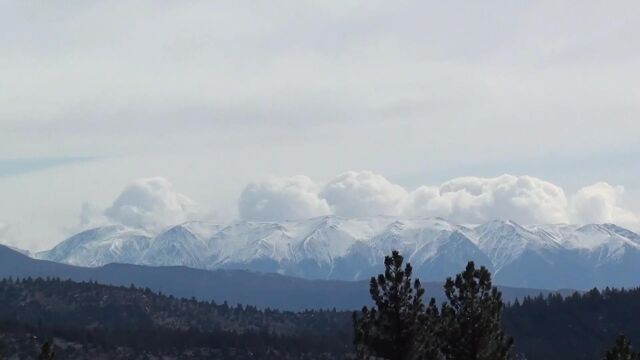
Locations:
(534, 256)
(234, 286)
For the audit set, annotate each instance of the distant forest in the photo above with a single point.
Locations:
(100, 318)
(89, 320)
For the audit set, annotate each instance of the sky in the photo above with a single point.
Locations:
(148, 113)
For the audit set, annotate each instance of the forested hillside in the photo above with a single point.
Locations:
(101, 318)
(577, 327)
(100, 321)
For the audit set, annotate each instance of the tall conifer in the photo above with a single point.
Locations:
(471, 318)
(46, 351)
(393, 328)
(621, 350)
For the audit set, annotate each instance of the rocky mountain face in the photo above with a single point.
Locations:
(538, 256)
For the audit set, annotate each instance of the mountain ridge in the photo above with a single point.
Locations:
(234, 286)
(335, 248)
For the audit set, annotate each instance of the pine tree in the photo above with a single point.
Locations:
(46, 351)
(471, 318)
(393, 328)
(621, 350)
(428, 342)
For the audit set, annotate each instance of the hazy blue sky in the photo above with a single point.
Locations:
(215, 95)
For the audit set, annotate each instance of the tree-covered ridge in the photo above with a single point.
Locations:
(580, 326)
(108, 316)
(92, 304)
(89, 320)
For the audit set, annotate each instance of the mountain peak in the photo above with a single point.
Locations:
(332, 247)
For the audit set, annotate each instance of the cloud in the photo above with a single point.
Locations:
(364, 194)
(524, 199)
(466, 200)
(150, 203)
(601, 203)
(279, 198)
(91, 216)
(4, 230)
(13, 167)
(474, 199)
(9, 235)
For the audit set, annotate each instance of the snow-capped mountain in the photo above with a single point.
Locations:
(331, 247)
(99, 246)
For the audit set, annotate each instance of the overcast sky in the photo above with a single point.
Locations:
(212, 98)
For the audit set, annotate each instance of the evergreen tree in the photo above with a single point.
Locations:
(471, 318)
(46, 351)
(392, 329)
(621, 350)
(428, 344)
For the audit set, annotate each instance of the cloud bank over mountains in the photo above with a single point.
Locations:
(281, 198)
(601, 202)
(364, 193)
(153, 204)
(524, 199)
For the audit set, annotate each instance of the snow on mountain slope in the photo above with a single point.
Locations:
(248, 241)
(327, 239)
(602, 242)
(446, 255)
(332, 247)
(176, 246)
(100, 246)
(505, 241)
(435, 247)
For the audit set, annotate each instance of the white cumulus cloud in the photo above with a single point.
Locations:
(10, 235)
(524, 199)
(151, 203)
(364, 193)
(601, 203)
(280, 198)
(474, 199)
